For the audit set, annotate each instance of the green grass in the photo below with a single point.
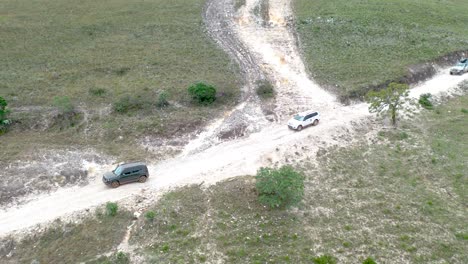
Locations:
(355, 44)
(70, 242)
(402, 197)
(96, 53)
(64, 48)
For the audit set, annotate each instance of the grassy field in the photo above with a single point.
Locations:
(398, 198)
(70, 242)
(355, 44)
(96, 53)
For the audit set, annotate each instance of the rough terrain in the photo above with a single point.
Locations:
(252, 43)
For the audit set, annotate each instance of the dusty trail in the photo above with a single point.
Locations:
(208, 161)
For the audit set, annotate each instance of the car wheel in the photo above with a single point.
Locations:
(299, 128)
(316, 121)
(142, 179)
(115, 184)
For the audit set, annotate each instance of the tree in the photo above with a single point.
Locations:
(281, 187)
(204, 94)
(4, 122)
(389, 101)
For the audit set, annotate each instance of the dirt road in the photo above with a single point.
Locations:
(264, 50)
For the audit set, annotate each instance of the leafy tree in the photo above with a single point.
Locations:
(4, 122)
(390, 101)
(281, 187)
(203, 94)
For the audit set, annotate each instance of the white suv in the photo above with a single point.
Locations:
(301, 120)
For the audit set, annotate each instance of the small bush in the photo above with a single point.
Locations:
(325, 259)
(425, 101)
(97, 91)
(128, 103)
(150, 215)
(279, 187)
(265, 89)
(111, 209)
(369, 260)
(64, 105)
(4, 121)
(203, 94)
(465, 111)
(121, 258)
(162, 100)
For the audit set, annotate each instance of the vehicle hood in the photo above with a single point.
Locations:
(457, 68)
(109, 175)
(293, 122)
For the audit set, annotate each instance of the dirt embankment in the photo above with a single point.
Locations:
(44, 171)
(421, 72)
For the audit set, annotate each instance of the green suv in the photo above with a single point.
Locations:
(125, 173)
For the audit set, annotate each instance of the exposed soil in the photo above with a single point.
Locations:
(45, 171)
(416, 73)
(264, 49)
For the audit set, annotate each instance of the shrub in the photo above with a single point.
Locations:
(111, 209)
(425, 101)
(281, 187)
(465, 111)
(203, 94)
(162, 99)
(97, 91)
(64, 105)
(127, 103)
(4, 121)
(265, 89)
(121, 258)
(150, 215)
(325, 259)
(369, 260)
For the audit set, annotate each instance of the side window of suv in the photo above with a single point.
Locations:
(314, 114)
(307, 117)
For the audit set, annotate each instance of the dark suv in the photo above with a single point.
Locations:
(125, 173)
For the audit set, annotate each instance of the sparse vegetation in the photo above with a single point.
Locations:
(71, 242)
(4, 121)
(129, 103)
(160, 48)
(279, 188)
(238, 4)
(265, 89)
(162, 99)
(425, 100)
(369, 260)
(389, 101)
(385, 198)
(203, 94)
(97, 91)
(111, 209)
(64, 105)
(150, 215)
(358, 44)
(325, 259)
